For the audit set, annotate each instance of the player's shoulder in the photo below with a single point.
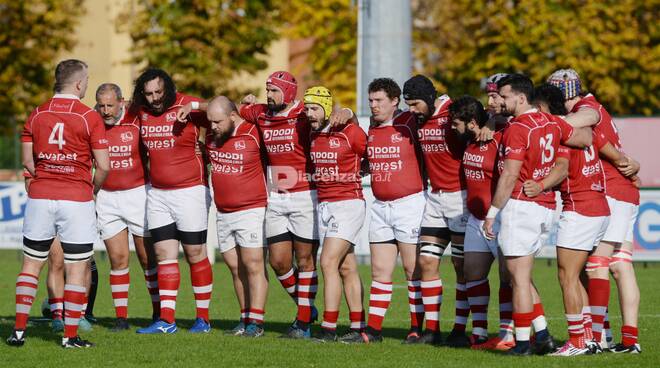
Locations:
(130, 118)
(588, 101)
(442, 106)
(181, 99)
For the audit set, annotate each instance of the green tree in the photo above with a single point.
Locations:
(203, 44)
(613, 45)
(32, 35)
(332, 26)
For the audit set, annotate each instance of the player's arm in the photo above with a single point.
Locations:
(184, 111)
(580, 138)
(505, 185)
(558, 173)
(28, 158)
(342, 116)
(102, 161)
(626, 165)
(584, 117)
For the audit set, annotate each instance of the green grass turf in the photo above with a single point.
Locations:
(216, 349)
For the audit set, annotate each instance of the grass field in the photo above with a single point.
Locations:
(216, 349)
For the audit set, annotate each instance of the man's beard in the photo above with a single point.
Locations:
(272, 106)
(157, 111)
(322, 126)
(221, 138)
(421, 117)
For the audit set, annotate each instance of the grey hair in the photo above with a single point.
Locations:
(107, 87)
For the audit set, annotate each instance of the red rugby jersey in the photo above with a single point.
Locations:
(617, 186)
(442, 150)
(534, 138)
(286, 137)
(173, 163)
(237, 171)
(395, 158)
(480, 166)
(336, 154)
(127, 168)
(63, 131)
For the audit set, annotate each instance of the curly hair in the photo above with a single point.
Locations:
(138, 100)
(387, 85)
(467, 108)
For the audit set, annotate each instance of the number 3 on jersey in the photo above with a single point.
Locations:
(548, 154)
(57, 135)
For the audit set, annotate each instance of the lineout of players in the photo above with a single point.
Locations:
(286, 179)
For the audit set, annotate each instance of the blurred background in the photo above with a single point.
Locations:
(228, 47)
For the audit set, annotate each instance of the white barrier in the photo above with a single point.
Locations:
(647, 228)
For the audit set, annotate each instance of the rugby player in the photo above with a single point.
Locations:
(60, 139)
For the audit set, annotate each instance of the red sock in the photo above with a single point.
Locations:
(330, 320)
(357, 320)
(462, 307)
(506, 308)
(119, 283)
(256, 316)
(478, 297)
(169, 279)
(289, 282)
(380, 297)
(74, 298)
(599, 297)
(26, 290)
(575, 330)
(628, 335)
(538, 321)
(522, 323)
(56, 307)
(245, 316)
(432, 299)
(151, 277)
(415, 304)
(586, 322)
(306, 293)
(201, 275)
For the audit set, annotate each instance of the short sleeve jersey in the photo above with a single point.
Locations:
(173, 162)
(534, 138)
(127, 167)
(394, 158)
(337, 154)
(286, 138)
(63, 132)
(237, 170)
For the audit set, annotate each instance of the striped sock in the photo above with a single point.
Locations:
(245, 316)
(151, 278)
(289, 282)
(478, 297)
(306, 294)
(169, 279)
(415, 304)
(256, 316)
(357, 320)
(432, 300)
(522, 323)
(119, 283)
(26, 290)
(74, 298)
(599, 297)
(330, 320)
(462, 307)
(506, 311)
(586, 322)
(379, 300)
(539, 322)
(56, 307)
(629, 335)
(201, 275)
(575, 330)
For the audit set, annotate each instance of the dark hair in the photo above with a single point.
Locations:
(551, 96)
(107, 87)
(387, 85)
(519, 83)
(64, 72)
(466, 108)
(138, 100)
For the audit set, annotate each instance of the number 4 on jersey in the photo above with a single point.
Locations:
(57, 135)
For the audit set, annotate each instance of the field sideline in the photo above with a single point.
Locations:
(216, 349)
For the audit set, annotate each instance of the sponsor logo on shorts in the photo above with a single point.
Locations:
(254, 236)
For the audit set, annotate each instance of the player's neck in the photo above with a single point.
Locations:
(69, 92)
(524, 109)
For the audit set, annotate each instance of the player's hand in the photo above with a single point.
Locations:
(532, 188)
(637, 182)
(249, 100)
(485, 134)
(487, 228)
(340, 118)
(183, 112)
(629, 167)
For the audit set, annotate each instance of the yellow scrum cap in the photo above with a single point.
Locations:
(321, 96)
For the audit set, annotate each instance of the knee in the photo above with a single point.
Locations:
(305, 262)
(329, 265)
(428, 262)
(279, 265)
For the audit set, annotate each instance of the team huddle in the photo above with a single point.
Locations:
(286, 180)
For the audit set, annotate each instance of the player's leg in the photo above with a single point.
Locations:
(476, 267)
(457, 336)
(118, 253)
(332, 254)
(505, 300)
(383, 262)
(354, 293)
(280, 245)
(624, 274)
(55, 284)
(230, 256)
(520, 269)
(39, 231)
(144, 249)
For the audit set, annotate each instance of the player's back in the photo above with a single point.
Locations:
(63, 132)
